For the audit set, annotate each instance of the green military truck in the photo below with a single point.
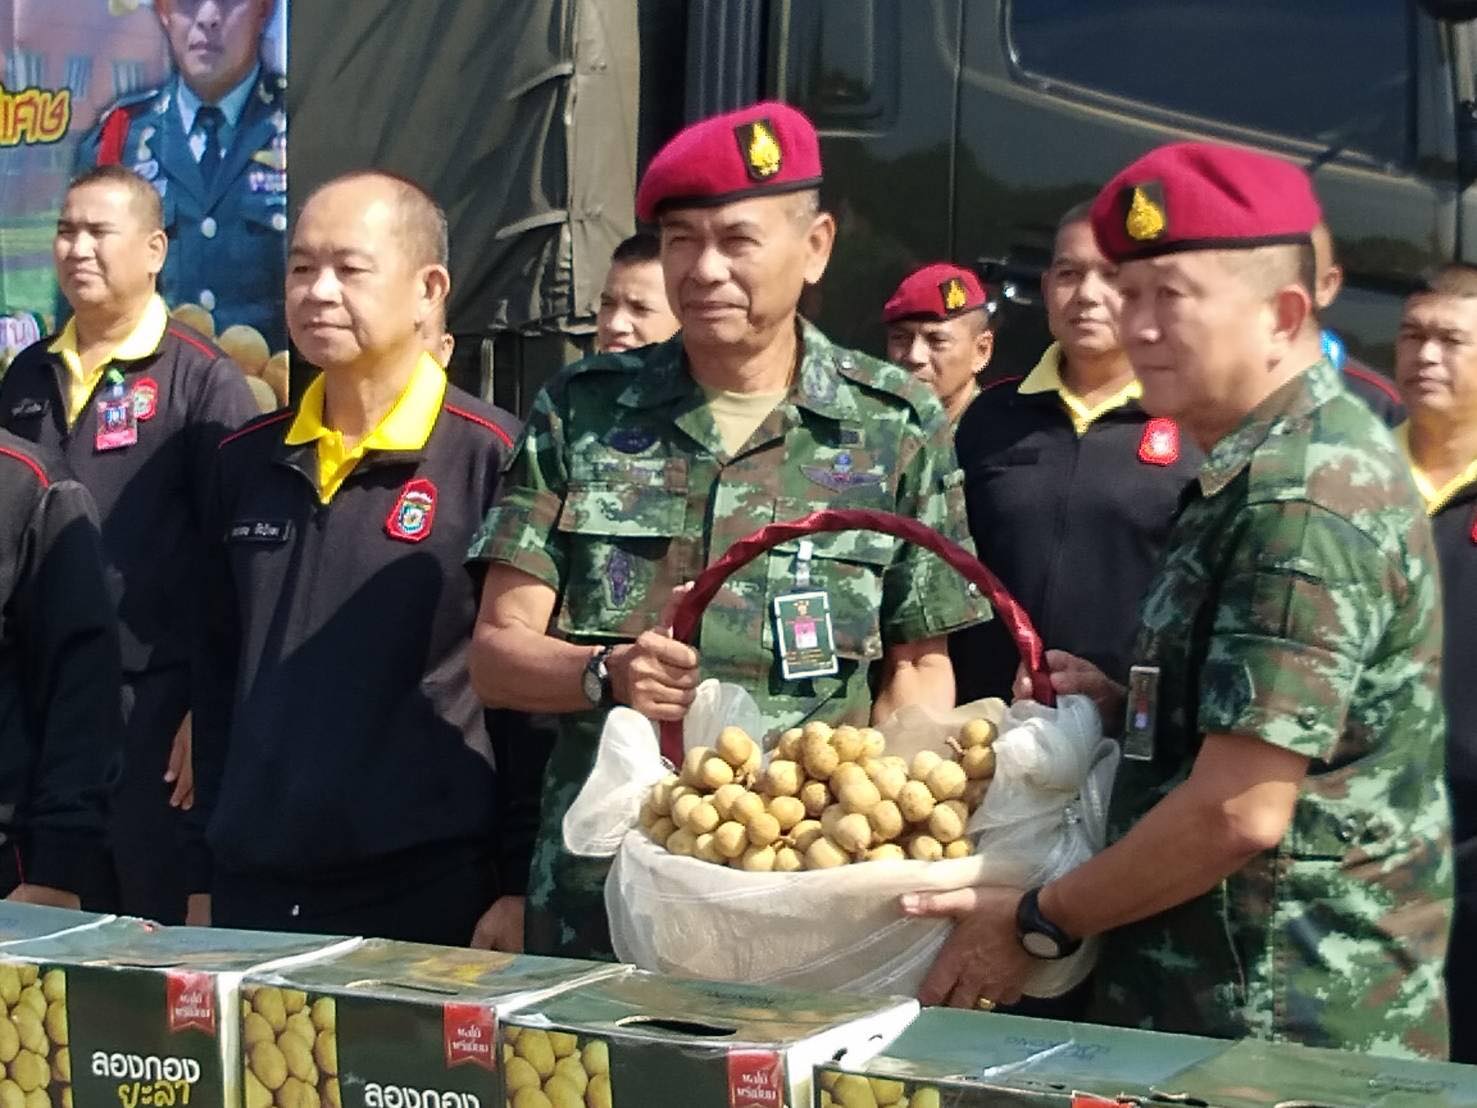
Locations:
(951, 129)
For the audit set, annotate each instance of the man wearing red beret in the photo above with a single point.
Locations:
(638, 469)
(938, 329)
(1280, 864)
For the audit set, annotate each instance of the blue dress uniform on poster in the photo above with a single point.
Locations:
(221, 172)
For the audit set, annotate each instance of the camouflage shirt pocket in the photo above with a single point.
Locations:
(848, 566)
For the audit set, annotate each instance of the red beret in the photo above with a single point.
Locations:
(1201, 196)
(760, 150)
(938, 291)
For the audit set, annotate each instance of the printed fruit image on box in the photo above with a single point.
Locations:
(128, 1015)
(402, 1025)
(643, 1039)
(553, 1069)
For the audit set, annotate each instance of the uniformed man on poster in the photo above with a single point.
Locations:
(212, 140)
(1280, 860)
(348, 780)
(637, 470)
(135, 403)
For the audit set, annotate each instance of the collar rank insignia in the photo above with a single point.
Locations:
(953, 293)
(1145, 220)
(760, 149)
(414, 511)
(1160, 445)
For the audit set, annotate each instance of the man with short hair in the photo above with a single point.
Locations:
(639, 469)
(348, 782)
(1280, 859)
(1071, 487)
(1367, 384)
(212, 139)
(1436, 369)
(633, 303)
(135, 403)
(938, 329)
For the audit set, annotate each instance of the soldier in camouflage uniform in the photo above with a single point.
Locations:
(1281, 862)
(631, 478)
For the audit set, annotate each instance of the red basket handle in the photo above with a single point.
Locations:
(741, 553)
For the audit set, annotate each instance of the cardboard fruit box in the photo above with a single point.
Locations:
(391, 1025)
(643, 1040)
(128, 1014)
(954, 1059)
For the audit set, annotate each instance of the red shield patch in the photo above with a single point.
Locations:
(144, 396)
(1160, 445)
(470, 1034)
(191, 999)
(414, 511)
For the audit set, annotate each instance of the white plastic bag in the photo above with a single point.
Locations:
(1045, 813)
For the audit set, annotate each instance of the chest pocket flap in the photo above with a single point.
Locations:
(617, 496)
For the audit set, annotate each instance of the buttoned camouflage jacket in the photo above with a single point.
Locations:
(621, 489)
(1297, 602)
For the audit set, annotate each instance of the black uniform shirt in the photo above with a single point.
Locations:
(338, 725)
(1376, 390)
(1070, 508)
(186, 395)
(60, 725)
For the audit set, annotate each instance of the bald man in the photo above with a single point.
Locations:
(347, 780)
(1369, 385)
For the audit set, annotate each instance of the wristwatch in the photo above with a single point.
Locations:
(595, 681)
(1038, 935)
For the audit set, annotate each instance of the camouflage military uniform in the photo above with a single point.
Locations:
(621, 490)
(1298, 603)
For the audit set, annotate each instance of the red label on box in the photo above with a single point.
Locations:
(470, 1031)
(1089, 1100)
(191, 998)
(756, 1079)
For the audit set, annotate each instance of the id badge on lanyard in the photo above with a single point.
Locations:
(117, 424)
(803, 637)
(1142, 713)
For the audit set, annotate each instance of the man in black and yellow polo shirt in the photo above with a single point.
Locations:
(135, 403)
(1436, 371)
(347, 777)
(1070, 486)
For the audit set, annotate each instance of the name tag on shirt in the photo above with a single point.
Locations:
(271, 532)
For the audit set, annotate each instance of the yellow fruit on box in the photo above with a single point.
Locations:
(824, 854)
(853, 833)
(704, 818)
(10, 1041)
(886, 1092)
(508, 1054)
(37, 1098)
(54, 985)
(563, 1094)
(294, 1000)
(826, 1101)
(67, 1097)
(886, 820)
(511, 1033)
(268, 1004)
(764, 829)
(923, 764)
(325, 1052)
(598, 1093)
(267, 1062)
(828, 1079)
(787, 811)
(758, 859)
(723, 799)
(30, 1071)
(518, 1074)
(11, 1095)
(331, 1095)
(852, 1091)
(28, 1024)
(715, 773)
(531, 1098)
(735, 747)
(31, 997)
(924, 1098)
(55, 1023)
(596, 1057)
(61, 1064)
(296, 1094)
(571, 1069)
(255, 1030)
(947, 780)
(806, 832)
(915, 801)
(299, 1057)
(787, 860)
(301, 1025)
(563, 1044)
(782, 778)
(815, 796)
(257, 1094)
(533, 1047)
(925, 848)
(29, 974)
(978, 762)
(977, 732)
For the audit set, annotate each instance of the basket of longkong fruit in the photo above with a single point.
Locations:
(780, 858)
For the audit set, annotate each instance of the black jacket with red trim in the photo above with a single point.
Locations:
(1073, 526)
(1376, 390)
(1455, 530)
(338, 725)
(151, 495)
(60, 721)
